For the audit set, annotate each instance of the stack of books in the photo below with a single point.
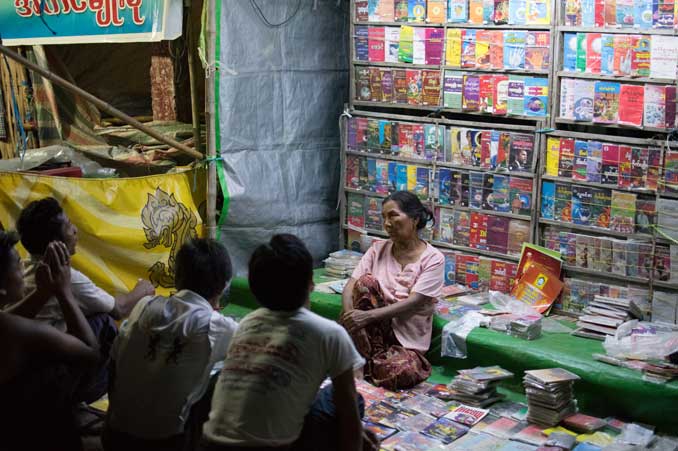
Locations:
(527, 327)
(604, 315)
(550, 395)
(341, 264)
(477, 387)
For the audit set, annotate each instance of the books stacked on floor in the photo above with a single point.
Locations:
(477, 387)
(341, 264)
(604, 315)
(550, 395)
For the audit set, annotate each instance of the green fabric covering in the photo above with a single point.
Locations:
(603, 390)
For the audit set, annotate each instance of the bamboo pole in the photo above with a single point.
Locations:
(210, 100)
(99, 103)
(192, 77)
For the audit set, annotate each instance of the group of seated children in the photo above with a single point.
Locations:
(62, 346)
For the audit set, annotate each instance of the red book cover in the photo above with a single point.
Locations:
(670, 106)
(497, 234)
(653, 166)
(610, 170)
(485, 143)
(631, 101)
(512, 271)
(610, 12)
(622, 55)
(434, 46)
(640, 56)
(566, 159)
(625, 154)
(534, 255)
(375, 39)
(499, 280)
(352, 172)
(406, 139)
(375, 84)
(599, 13)
(496, 49)
(361, 11)
(500, 95)
(486, 93)
(538, 287)
(472, 263)
(431, 87)
(400, 85)
(474, 235)
(593, 48)
(413, 86)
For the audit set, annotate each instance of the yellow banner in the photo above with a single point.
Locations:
(128, 228)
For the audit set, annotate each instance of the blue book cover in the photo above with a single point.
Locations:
(476, 190)
(416, 10)
(371, 174)
(361, 43)
(392, 176)
(423, 179)
(588, 13)
(514, 49)
(517, 10)
(444, 186)
(548, 199)
(581, 154)
(500, 194)
(607, 54)
(594, 161)
(570, 52)
(450, 268)
(457, 11)
(536, 96)
(433, 141)
(642, 14)
(385, 135)
(401, 177)
(495, 136)
(625, 12)
(581, 204)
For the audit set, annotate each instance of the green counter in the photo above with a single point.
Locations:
(604, 390)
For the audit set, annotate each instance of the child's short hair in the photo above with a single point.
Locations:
(280, 273)
(7, 242)
(40, 223)
(203, 266)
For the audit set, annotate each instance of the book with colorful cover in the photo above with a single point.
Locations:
(655, 106)
(400, 12)
(476, 190)
(600, 212)
(521, 152)
(500, 194)
(581, 153)
(606, 102)
(623, 211)
(563, 202)
(653, 167)
(536, 96)
(406, 44)
(570, 52)
(593, 50)
(520, 195)
(373, 218)
(607, 54)
(457, 11)
(537, 50)
(588, 13)
(419, 46)
(581, 204)
(486, 93)
(640, 56)
(663, 14)
(516, 95)
(664, 57)
(433, 141)
(476, 11)
(400, 85)
(639, 162)
(594, 161)
(501, 12)
(566, 158)
(361, 43)
(548, 198)
(380, 10)
(631, 102)
(468, 49)
(433, 46)
(436, 11)
(583, 100)
(375, 84)
(430, 87)
(538, 287)
(519, 233)
(610, 170)
(462, 228)
(642, 14)
(381, 182)
(387, 88)
(418, 140)
(670, 110)
(500, 95)
(416, 11)
(624, 13)
(622, 55)
(646, 215)
(517, 9)
(376, 38)
(552, 156)
(362, 83)
(446, 227)
(514, 49)
(356, 210)
(573, 13)
(467, 415)
(453, 89)
(538, 12)
(371, 175)
(445, 430)
(610, 13)
(483, 49)
(414, 86)
(567, 97)
(625, 153)
(453, 47)
(471, 93)
(401, 177)
(581, 52)
(362, 10)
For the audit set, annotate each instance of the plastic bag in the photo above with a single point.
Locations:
(455, 333)
(508, 303)
(635, 434)
(642, 341)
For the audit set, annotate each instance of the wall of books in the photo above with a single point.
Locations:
(450, 99)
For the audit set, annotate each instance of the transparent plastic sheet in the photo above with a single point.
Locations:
(455, 333)
(281, 91)
(635, 434)
(508, 303)
(642, 341)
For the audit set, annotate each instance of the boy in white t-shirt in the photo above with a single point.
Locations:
(267, 396)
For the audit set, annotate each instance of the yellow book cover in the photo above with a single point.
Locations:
(411, 177)
(475, 11)
(453, 48)
(483, 49)
(552, 156)
(455, 146)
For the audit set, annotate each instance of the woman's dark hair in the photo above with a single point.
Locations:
(410, 204)
(203, 266)
(280, 273)
(39, 224)
(7, 242)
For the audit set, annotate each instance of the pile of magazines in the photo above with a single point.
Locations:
(478, 386)
(550, 395)
(341, 264)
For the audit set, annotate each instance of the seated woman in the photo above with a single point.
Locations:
(40, 367)
(389, 301)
